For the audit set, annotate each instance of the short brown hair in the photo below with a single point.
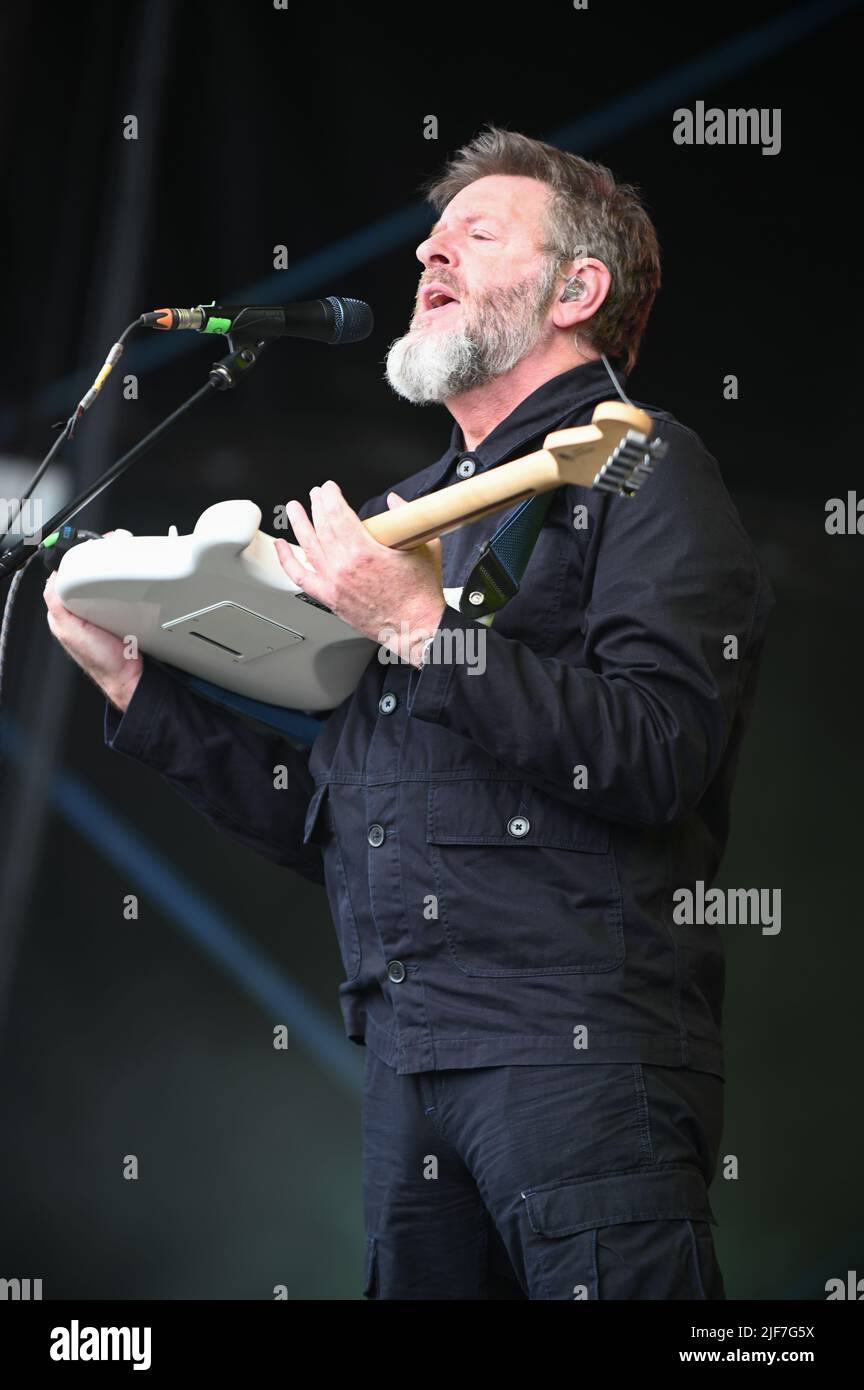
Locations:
(589, 214)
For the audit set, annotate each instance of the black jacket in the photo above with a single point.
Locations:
(492, 903)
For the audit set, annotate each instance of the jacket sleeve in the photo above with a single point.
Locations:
(221, 765)
(648, 706)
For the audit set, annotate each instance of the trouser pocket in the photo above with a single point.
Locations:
(638, 1235)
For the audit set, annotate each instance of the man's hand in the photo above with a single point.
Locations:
(394, 597)
(99, 653)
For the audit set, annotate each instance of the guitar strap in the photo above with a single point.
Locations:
(498, 572)
(293, 723)
(496, 576)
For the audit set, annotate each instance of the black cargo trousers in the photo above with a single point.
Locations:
(556, 1182)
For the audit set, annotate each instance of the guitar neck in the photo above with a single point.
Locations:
(427, 517)
(610, 452)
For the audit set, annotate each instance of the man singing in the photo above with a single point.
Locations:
(501, 838)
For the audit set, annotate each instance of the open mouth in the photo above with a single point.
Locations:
(435, 299)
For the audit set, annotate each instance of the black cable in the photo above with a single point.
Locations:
(69, 428)
(224, 374)
(6, 624)
(13, 559)
(214, 382)
(66, 434)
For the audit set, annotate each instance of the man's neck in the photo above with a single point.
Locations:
(480, 410)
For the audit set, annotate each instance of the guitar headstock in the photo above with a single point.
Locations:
(615, 453)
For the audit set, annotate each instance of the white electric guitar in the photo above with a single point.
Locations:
(218, 604)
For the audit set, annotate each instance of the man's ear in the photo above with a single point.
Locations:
(595, 280)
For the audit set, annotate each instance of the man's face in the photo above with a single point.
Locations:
(483, 295)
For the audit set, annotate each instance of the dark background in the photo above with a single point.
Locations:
(306, 127)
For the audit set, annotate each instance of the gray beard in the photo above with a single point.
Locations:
(429, 366)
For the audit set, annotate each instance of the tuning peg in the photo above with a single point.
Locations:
(629, 464)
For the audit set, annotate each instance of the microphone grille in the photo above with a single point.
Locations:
(353, 320)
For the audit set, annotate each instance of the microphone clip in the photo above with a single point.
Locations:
(244, 354)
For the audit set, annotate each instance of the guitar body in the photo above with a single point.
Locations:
(217, 604)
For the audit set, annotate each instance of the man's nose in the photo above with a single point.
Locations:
(437, 250)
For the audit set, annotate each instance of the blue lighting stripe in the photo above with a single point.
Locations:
(213, 933)
(389, 233)
(692, 78)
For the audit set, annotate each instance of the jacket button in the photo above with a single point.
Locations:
(396, 971)
(465, 467)
(387, 703)
(376, 835)
(518, 826)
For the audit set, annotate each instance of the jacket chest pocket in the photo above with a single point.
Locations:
(320, 829)
(524, 884)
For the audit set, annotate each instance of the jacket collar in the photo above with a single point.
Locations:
(547, 408)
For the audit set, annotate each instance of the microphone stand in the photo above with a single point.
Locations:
(224, 374)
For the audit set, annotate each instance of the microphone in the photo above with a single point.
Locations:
(331, 320)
